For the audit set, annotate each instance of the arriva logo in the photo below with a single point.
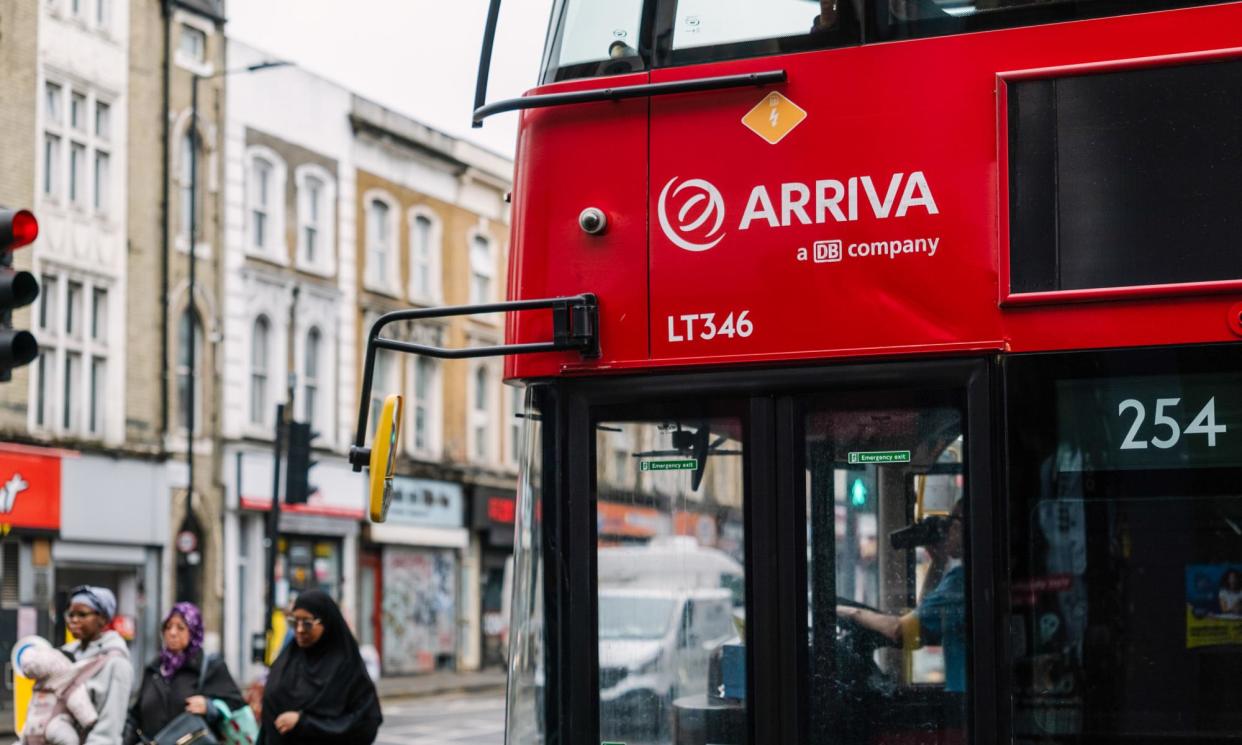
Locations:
(701, 203)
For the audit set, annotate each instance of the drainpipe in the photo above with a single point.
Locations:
(164, 263)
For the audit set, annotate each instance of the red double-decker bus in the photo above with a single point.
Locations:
(892, 388)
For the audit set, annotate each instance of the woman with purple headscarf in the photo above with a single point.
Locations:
(176, 681)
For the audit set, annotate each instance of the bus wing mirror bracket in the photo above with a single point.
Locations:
(575, 327)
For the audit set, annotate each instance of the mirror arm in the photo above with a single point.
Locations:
(575, 327)
(485, 60)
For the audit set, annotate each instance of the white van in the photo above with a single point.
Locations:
(675, 562)
(655, 645)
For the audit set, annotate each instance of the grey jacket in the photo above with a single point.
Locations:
(109, 688)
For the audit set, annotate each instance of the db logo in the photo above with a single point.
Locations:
(696, 202)
(827, 251)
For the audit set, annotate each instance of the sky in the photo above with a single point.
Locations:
(418, 57)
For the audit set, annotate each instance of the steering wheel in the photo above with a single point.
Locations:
(857, 674)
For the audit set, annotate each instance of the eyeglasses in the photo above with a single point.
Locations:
(77, 615)
(302, 624)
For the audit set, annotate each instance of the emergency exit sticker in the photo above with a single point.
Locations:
(688, 464)
(880, 456)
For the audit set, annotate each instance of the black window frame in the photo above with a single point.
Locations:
(770, 403)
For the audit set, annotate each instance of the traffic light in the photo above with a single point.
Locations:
(858, 493)
(297, 478)
(17, 289)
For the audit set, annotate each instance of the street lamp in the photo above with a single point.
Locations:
(191, 374)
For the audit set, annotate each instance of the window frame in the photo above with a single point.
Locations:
(479, 238)
(384, 280)
(482, 449)
(259, 379)
(434, 259)
(432, 449)
(96, 414)
(274, 247)
(183, 369)
(325, 263)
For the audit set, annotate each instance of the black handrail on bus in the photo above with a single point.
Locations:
(575, 326)
(768, 77)
(485, 58)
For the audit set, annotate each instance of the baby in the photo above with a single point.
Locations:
(61, 708)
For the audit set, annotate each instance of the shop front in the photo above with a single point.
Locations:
(30, 488)
(493, 513)
(317, 547)
(102, 542)
(410, 593)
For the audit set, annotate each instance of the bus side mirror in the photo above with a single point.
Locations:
(384, 456)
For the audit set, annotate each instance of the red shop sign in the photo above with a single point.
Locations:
(29, 488)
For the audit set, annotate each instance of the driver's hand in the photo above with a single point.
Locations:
(847, 611)
(939, 552)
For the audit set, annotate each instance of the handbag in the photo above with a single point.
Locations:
(185, 729)
(236, 727)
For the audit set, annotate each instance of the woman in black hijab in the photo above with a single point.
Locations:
(318, 690)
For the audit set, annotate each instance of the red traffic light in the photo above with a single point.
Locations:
(25, 228)
(17, 228)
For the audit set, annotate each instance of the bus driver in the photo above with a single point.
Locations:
(940, 617)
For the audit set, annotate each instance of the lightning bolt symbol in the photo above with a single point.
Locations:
(775, 114)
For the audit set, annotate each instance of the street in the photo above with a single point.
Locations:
(477, 719)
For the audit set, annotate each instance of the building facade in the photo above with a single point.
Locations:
(339, 210)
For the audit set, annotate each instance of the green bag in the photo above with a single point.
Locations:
(236, 727)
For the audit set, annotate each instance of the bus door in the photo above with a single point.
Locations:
(894, 505)
(782, 556)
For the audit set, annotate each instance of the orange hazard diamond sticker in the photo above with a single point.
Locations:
(774, 117)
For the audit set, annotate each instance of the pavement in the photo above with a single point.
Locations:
(452, 719)
(442, 683)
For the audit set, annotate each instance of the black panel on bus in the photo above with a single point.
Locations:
(1126, 178)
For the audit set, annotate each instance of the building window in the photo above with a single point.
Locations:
(103, 13)
(482, 267)
(311, 371)
(187, 183)
(52, 99)
(43, 388)
(77, 112)
(517, 405)
(99, 393)
(259, 344)
(103, 172)
(480, 414)
(73, 311)
(189, 338)
(77, 173)
(380, 251)
(312, 208)
(424, 259)
(70, 384)
(51, 164)
(260, 202)
(193, 44)
(381, 386)
(103, 121)
(99, 314)
(423, 406)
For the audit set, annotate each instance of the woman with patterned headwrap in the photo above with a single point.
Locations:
(175, 681)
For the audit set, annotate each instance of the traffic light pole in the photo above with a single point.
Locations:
(273, 524)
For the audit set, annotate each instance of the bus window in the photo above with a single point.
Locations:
(909, 18)
(711, 30)
(670, 646)
(887, 511)
(1125, 535)
(590, 38)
